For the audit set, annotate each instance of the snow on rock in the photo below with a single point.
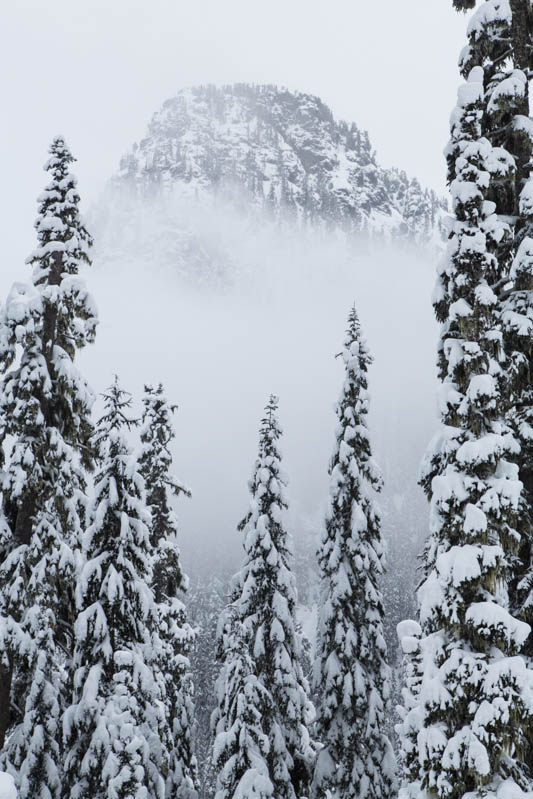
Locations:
(258, 149)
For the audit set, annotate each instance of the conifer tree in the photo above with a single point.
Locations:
(409, 633)
(169, 584)
(474, 711)
(264, 597)
(45, 428)
(500, 42)
(155, 461)
(240, 721)
(352, 675)
(417, 211)
(115, 729)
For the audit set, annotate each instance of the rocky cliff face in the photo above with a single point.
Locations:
(260, 149)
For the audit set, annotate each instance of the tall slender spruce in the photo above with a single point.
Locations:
(352, 674)
(500, 42)
(169, 584)
(264, 599)
(116, 727)
(473, 711)
(45, 429)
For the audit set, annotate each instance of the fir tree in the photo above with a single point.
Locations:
(409, 633)
(353, 678)
(169, 583)
(115, 729)
(240, 721)
(500, 42)
(264, 597)
(155, 462)
(474, 711)
(44, 432)
(417, 212)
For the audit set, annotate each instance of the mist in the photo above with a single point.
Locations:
(271, 321)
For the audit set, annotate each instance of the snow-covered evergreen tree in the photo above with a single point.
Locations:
(264, 598)
(500, 42)
(116, 727)
(169, 583)
(409, 633)
(417, 211)
(45, 429)
(241, 720)
(475, 705)
(352, 674)
(507, 70)
(155, 461)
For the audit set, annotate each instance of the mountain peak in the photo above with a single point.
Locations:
(280, 150)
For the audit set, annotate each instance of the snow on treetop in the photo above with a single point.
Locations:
(492, 12)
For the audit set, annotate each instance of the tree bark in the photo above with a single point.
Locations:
(521, 33)
(5, 702)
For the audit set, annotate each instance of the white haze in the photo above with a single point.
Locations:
(274, 326)
(95, 71)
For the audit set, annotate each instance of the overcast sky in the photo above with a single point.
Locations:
(96, 70)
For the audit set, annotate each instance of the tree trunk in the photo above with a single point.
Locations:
(5, 702)
(521, 44)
